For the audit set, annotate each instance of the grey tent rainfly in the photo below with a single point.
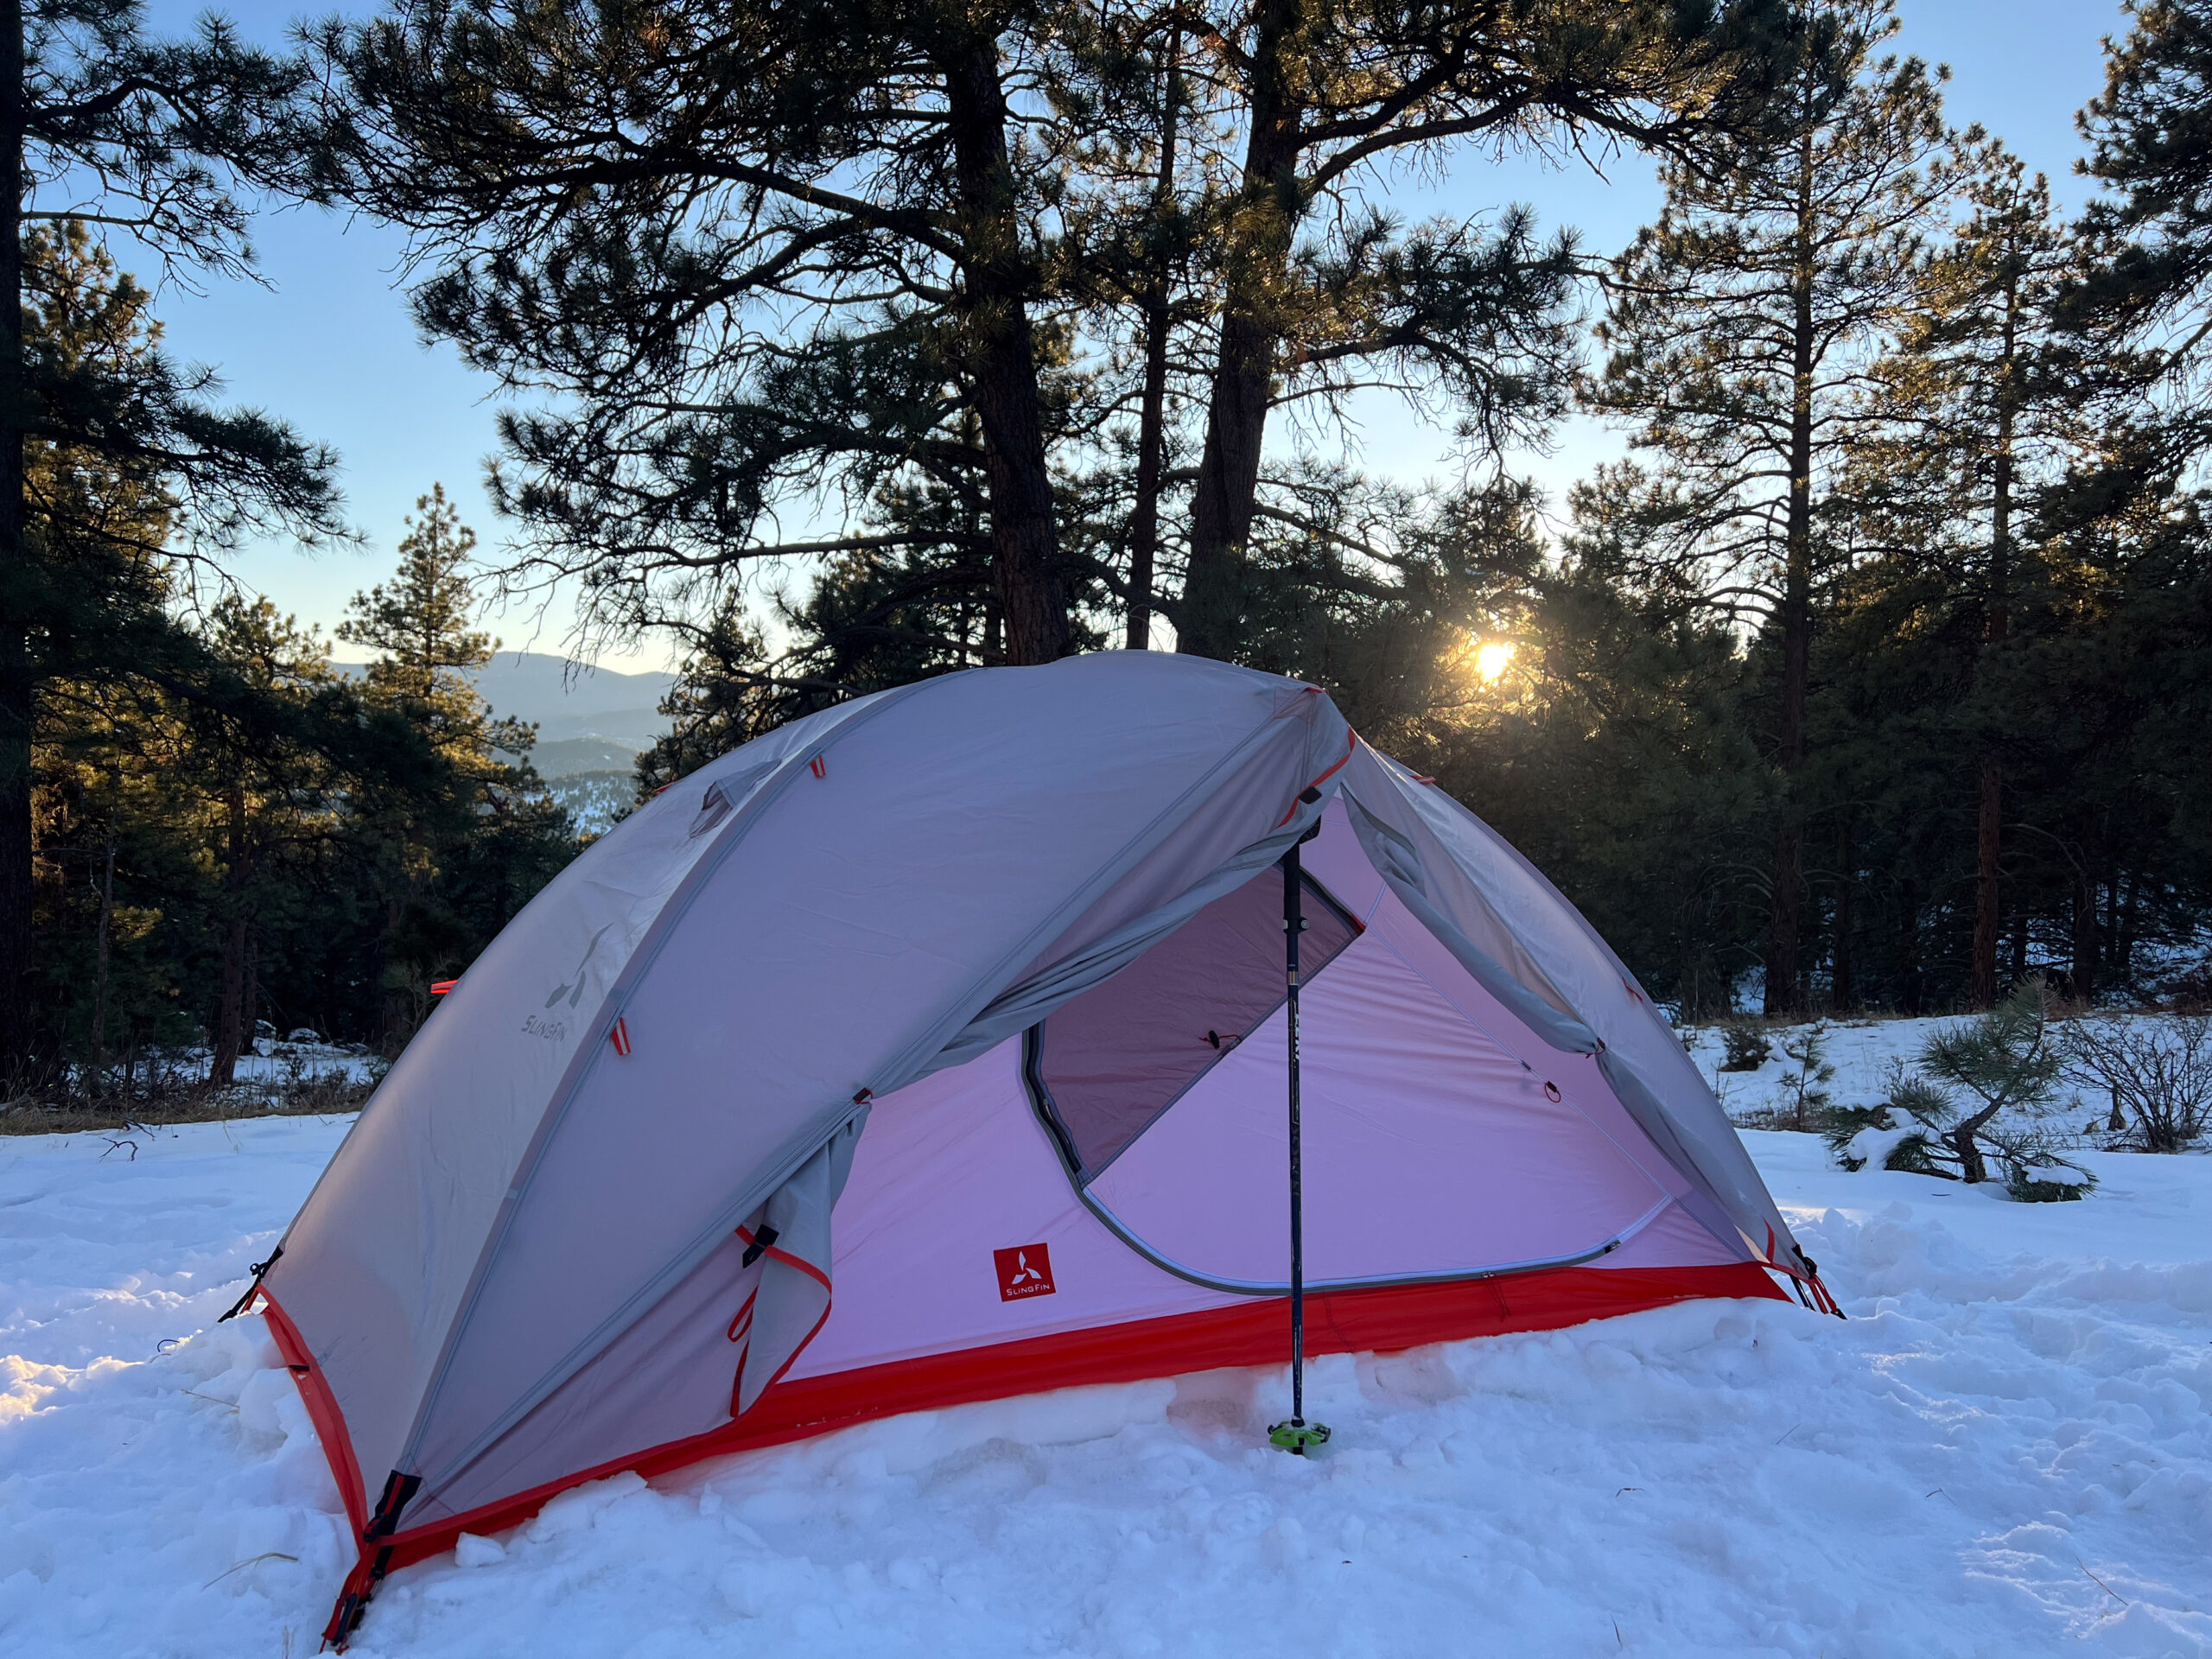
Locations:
(933, 1048)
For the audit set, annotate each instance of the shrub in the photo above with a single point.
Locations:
(1905, 1131)
(2048, 1183)
(2157, 1072)
(1745, 1048)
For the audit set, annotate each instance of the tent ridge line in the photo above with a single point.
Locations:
(588, 1052)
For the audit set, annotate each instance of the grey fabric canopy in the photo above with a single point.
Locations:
(648, 1088)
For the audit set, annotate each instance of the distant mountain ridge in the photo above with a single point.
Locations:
(588, 718)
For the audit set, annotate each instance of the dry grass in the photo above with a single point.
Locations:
(319, 1094)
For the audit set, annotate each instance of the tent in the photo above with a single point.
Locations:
(932, 1049)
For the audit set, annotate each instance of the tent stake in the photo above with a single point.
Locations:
(1296, 1435)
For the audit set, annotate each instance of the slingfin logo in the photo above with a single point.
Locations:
(1026, 1270)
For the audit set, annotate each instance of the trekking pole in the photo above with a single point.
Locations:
(1297, 1434)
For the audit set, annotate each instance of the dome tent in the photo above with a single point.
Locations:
(930, 1049)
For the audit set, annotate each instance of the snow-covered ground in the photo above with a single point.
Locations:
(2005, 1450)
(1863, 1052)
(273, 1068)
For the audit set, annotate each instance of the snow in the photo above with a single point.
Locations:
(2007, 1447)
(1863, 1052)
(271, 1063)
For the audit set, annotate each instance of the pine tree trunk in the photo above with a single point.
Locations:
(1152, 415)
(2082, 978)
(1841, 991)
(1973, 1168)
(1002, 362)
(1988, 913)
(1989, 838)
(17, 686)
(398, 1004)
(1208, 625)
(2124, 935)
(230, 1012)
(1783, 995)
(95, 1074)
(1910, 988)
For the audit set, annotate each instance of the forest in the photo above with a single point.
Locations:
(851, 343)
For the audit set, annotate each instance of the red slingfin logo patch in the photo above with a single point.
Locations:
(1026, 1270)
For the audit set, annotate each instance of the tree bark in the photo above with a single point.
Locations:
(1841, 991)
(1989, 836)
(17, 686)
(95, 1073)
(1243, 380)
(1989, 912)
(1784, 992)
(1973, 1168)
(2082, 977)
(1152, 415)
(1001, 361)
(233, 1016)
(1911, 994)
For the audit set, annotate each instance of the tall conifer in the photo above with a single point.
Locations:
(100, 124)
(1742, 328)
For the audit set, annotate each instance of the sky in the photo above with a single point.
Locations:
(327, 344)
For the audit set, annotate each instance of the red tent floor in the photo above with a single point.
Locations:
(1381, 1320)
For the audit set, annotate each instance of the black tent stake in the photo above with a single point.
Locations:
(1297, 1434)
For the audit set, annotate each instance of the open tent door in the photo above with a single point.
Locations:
(1106, 1066)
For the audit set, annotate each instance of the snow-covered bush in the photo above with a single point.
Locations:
(1903, 1132)
(1744, 1048)
(2048, 1183)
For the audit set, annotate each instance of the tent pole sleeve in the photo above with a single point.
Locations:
(1294, 923)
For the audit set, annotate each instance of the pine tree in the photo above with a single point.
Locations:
(1317, 292)
(1741, 329)
(422, 626)
(100, 125)
(2003, 1059)
(1975, 397)
(828, 241)
(2149, 286)
(274, 797)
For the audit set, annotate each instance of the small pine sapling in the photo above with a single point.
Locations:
(1805, 1090)
(2004, 1061)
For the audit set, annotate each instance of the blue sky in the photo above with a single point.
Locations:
(330, 346)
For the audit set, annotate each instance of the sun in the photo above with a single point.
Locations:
(1491, 658)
